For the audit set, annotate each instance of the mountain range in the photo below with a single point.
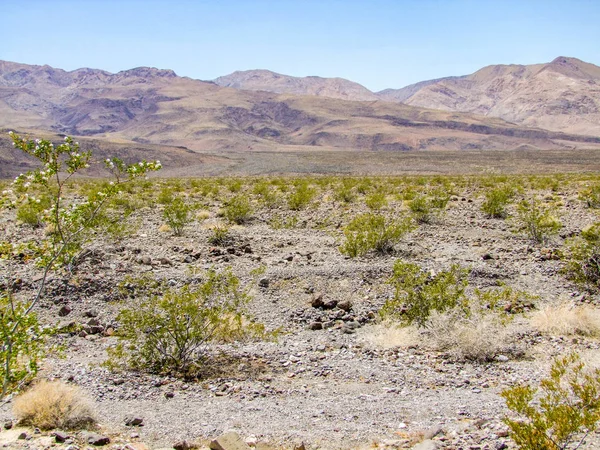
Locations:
(541, 106)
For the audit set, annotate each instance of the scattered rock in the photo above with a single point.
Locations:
(133, 421)
(229, 441)
(65, 310)
(317, 300)
(8, 425)
(183, 445)
(95, 438)
(315, 326)
(264, 282)
(60, 436)
(345, 305)
(427, 444)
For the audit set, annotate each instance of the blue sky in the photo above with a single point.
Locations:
(378, 43)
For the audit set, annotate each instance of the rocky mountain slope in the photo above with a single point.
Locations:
(151, 106)
(265, 80)
(563, 95)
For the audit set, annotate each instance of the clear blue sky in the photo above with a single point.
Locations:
(378, 43)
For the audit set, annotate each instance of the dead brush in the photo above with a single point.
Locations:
(567, 320)
(54, 405)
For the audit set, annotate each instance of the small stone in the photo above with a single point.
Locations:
(169, 394)
(22, 436)
(501, 445)
(229, 441)
(315, 326)
(330, 304)
(345, 305)
(96, 439)
(65, 310)
(91, 313)
(264, 282)
(93, 322)
(165, 261)
(182, 445)
(146, 260)
(8, 425)
(60, 436)
(317, 300)
(502, 358)
(432, 432)
(427, 444)
(133, 421)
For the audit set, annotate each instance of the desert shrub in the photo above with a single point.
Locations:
(165, 196)
(567, 320)
(496, 201)
(235, 185)
(536, 220)
(426, 209)
(582, 258)
(177, 214)
(238, 210)
(344, 192)
(171, 333)
(591, 196)
(220, 236)
(31, 211)
(266, 193)
(278, 222)
(558, 413)
(376, 201)
(371, 232)
(418, 293)
(53, 404)
(301, 197)
(477, 334)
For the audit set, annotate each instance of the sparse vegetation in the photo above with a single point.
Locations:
(560, 412)
(371, 232)
(496, 201)
(177, 214)
(238, 210)
(583, 258)
(49, 405)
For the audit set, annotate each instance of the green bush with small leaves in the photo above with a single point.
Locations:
(301, 197)
(177, 214)
(538, 221)
(171, 333)
(376, 201)
(582, 258)
(372, 232)
(591, 195)
(560, 412)
(220, 236)
(238, 210)
(427, 208)
(418, 293)
(496, 201)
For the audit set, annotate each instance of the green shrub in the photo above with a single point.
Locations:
(301, 197)
(559, 413)
(238, 210)
(177, 214)
(344, 192)
(266, 192)
(536, 220)
(417, 293)
(370, 232)
(583, 258)
(591, 196)
(220, 236)
(376, 201)
(31, 211)
(496, 201)
(165, 196)
(171, 334)
(427, 208)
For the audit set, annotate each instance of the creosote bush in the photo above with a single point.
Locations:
(301, 197)
(537, 220)
(372, 232)
(591, 195)
(52, 405)
(582, 258)
(418, 293)
(238, 210)
(427, 208)
(559, 413)
(171, 333)
(177, 214)
(496, 201)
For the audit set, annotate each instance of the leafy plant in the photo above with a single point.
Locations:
(496, 201)
(426, 208)
(71, 225)
(238, 209)
(591, 195)
(583, 258)
(371, 232)
(220, 236)
(177, 214)
(301, 197)
(171, 333)
(376, 201)
(417, 292)
(538, 221)
(560, 412)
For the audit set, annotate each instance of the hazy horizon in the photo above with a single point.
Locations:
(382, 44)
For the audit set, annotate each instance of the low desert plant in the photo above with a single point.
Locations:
(238, 210)
(418, 293)
(496, 201)
(567, 320)
(582, 258)
(371, 232)
(171, 333)
(560, 412)
(591, 195)
(220, 236)
(301, 197)
(177, 214)
(376, 201)
(427, 208)
(53, 404)
(536, 220)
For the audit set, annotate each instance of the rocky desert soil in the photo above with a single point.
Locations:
(335, 378)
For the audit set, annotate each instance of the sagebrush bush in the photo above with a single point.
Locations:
(171, 333)
(418, 293)
(372, 232)
(54, 405)
(560, 412)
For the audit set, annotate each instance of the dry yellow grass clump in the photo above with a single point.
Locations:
(567, 320)
(54, 404)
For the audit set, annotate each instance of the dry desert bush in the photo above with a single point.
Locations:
(567, 320)
(54, 404)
